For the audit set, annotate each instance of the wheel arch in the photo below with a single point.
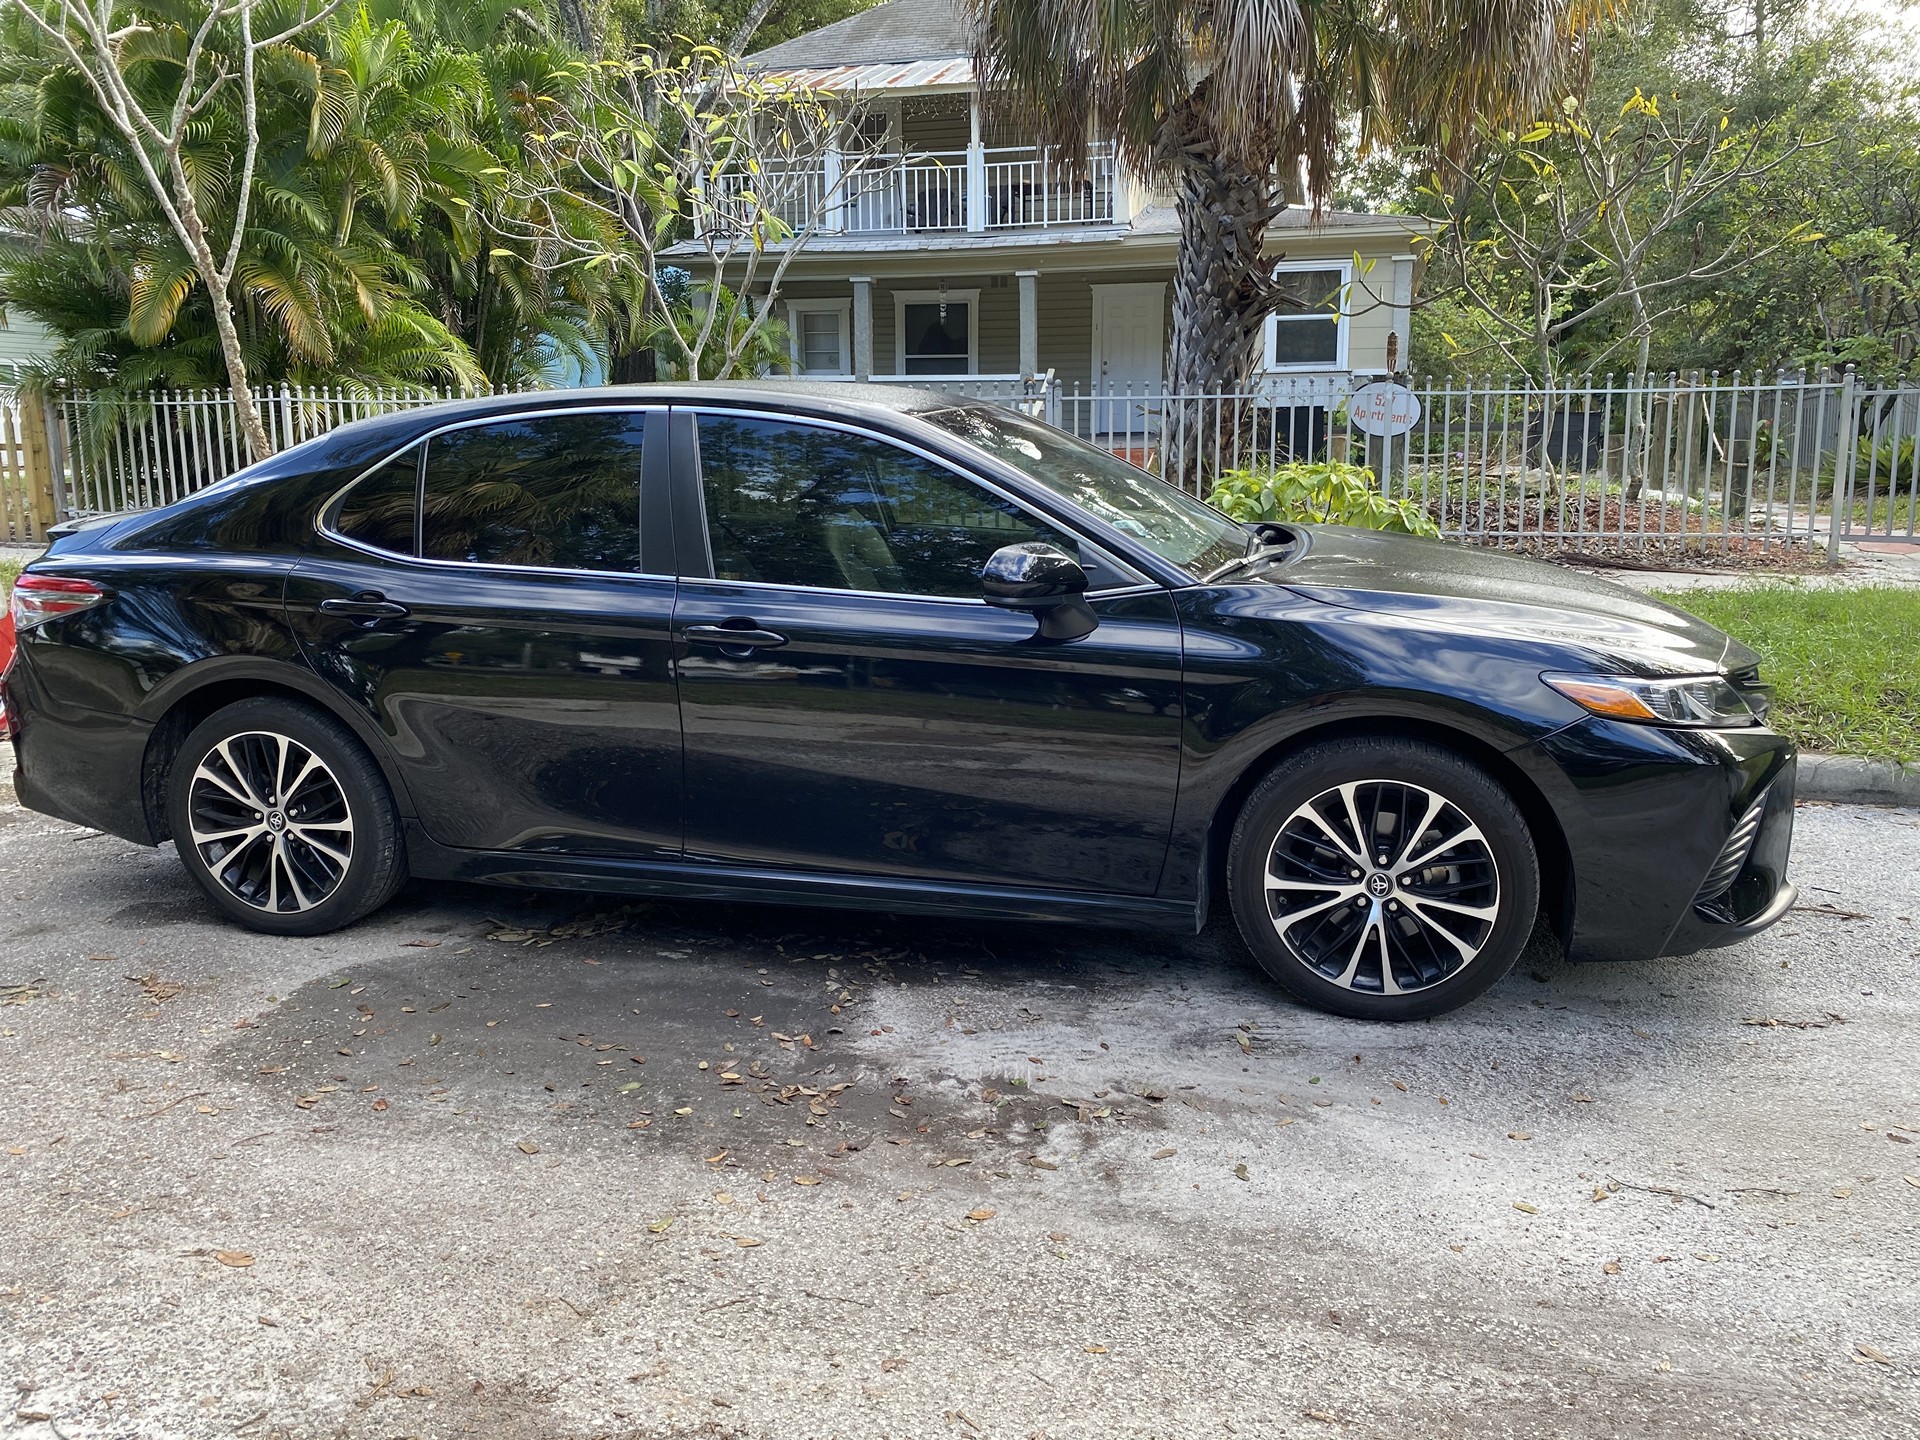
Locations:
(1543, 823)
(191, 695)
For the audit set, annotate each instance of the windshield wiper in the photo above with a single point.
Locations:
(1263, 548)
(1261, 556)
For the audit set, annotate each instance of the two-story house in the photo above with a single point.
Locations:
(966, 251)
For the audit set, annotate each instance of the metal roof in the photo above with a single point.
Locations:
(956, 71)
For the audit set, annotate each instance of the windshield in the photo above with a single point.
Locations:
(1173, 525)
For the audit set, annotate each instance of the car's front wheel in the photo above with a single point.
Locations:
(1383, 879)
(284, 819)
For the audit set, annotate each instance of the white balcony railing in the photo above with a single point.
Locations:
(978, 189)
(1026, 189)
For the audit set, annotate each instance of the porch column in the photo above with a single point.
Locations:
(862, 327)
(1029, 321)
(976, 169)
(1402, 311)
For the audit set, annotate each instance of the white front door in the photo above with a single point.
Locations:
(1129, 346)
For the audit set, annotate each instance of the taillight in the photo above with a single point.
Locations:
(39, 598)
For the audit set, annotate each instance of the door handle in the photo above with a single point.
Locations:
(367, 605)
(728, 637)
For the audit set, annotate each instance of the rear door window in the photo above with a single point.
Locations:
(552, 491)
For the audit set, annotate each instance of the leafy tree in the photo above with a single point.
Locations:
(161, 79)
(373, 248)
(697, 181)
(1578, 218)
(1803, 256)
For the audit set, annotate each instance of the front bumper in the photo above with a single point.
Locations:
(1659, 862)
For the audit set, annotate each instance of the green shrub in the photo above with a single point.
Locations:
(1322, 493)
(1887, 465)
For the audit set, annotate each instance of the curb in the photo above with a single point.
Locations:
(1851, 780)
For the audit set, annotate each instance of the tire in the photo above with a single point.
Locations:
(1351, 935)
(332, 855)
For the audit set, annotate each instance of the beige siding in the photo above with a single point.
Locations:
(937, 123)
(1065, 295)
(23, 338)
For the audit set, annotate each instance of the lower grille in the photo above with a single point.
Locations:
(1733, 855)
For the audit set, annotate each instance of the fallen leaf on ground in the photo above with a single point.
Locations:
(527, 1147)
(1240, 1172)
(1096, 1349)
(1526, 1208)
(981, 1214)
(662, 1225)
(238, 1259)
(747, 1242)
(1612, 1267)
(1166, 1154)
(1519, 1135)
(1871, 1354)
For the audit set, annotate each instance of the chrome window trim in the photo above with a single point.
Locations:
(1118, 592)
(329, 510)
(1138, 584)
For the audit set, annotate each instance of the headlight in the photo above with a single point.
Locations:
(1697, 700)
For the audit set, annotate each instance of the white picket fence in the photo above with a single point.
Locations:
(1669, 466)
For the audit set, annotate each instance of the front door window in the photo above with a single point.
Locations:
(801, 505)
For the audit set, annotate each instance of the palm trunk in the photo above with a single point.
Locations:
(1223, 291)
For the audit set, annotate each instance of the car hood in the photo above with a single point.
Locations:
(1479, 591)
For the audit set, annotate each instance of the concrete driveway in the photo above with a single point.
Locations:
(509, 1167)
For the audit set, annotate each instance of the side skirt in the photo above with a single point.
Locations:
(685, 881)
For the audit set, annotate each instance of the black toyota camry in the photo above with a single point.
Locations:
(842, 645)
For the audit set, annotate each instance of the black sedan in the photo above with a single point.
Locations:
(826, 644)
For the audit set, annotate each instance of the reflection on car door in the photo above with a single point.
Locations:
(848, 701)
(495, 614)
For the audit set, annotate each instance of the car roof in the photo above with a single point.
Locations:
(810, 396)
(361, 441)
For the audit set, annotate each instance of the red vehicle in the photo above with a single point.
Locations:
(6, 659)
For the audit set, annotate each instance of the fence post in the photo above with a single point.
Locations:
(43, 485)
(1846, 447)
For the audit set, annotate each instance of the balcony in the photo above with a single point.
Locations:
(979, 190)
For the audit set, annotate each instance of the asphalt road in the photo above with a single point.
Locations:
(699, 1171)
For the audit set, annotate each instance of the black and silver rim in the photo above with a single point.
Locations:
(270, 822)
(1382, 887)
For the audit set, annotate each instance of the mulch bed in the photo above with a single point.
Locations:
(1658, 536)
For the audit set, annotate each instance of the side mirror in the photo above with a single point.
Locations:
(1044, 580)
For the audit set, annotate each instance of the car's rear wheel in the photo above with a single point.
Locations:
(284, 819)
(1383, 879)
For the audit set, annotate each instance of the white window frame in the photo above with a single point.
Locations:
(904, 298)
(841, 307)
(1342, 320)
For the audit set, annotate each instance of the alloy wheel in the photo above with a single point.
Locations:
(271, 822)
(1382, 887)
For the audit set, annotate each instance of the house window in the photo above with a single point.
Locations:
(937, 333)
(1310, 333)
(818, 337)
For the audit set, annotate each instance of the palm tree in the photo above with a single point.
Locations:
(1222, 100)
